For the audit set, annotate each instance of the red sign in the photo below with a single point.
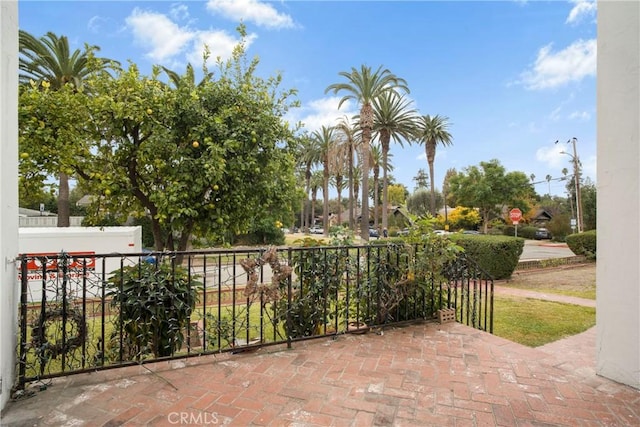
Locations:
(516, 215)
(51, 261)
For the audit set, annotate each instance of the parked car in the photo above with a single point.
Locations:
(373, 233)
(316, 230)
(542, 233)
(440, 232)
(470, 232)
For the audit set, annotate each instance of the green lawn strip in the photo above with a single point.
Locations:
(589, 291)
(535, 322)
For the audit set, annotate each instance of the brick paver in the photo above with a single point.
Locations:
(419, 375)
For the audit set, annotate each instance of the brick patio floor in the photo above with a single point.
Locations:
(419, 375)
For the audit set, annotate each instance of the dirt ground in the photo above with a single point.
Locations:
(569, 278)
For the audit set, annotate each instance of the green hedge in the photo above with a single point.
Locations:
(583, 243)
(497, 255)
(524, 231)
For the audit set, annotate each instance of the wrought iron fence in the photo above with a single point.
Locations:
(82, 312)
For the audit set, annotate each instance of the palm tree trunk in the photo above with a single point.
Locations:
(351, 195)
(384, 139)
(431, 155)
(339, 186)
(64, 210)
(376, 199)
(364, 215)
(325, 199)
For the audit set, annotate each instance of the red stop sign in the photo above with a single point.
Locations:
(515, 214)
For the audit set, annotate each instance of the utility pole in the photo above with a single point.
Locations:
(576, 178)
(576, 171)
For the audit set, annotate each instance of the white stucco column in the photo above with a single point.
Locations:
(8, 193)
(618, 264)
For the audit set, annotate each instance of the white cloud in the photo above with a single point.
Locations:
(552, 156)
(96, 24)
(554, 69)
(555, 114)
(581, 9)
(161, 36)
(168, 43)
(580, 115)
(220, 44)
(321, 112)
(262, 14)
(179, 11)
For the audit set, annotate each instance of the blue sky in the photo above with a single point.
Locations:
(512, 76)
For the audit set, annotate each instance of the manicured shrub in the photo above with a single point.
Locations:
(524, 231)
(497, 255)
(583, 243)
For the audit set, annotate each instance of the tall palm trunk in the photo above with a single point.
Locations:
(376, 197)
(385, 138)
(325, 197)
(339, 188)
(431, 156)
(64, 210)
(304, 226)
(351, 195)
(366, 117)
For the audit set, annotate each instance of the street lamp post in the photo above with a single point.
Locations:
(576, 178)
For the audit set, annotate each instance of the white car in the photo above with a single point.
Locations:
(316, 230)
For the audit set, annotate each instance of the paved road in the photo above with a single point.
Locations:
(543, 249)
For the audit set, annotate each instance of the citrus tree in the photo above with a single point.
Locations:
(199, 159)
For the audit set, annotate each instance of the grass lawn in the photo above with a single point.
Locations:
(535, 322)
(572, 281)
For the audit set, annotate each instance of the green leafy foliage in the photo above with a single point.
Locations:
(560, 226)
(526, 232)
(154, 302)
(488, 187)
(198, 159)
(497, 255)
(583, 243)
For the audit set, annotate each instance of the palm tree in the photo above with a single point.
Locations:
(325, 141)
(548, 178)
(394, 119)
(189, 78)
(375, 159)
(364, 86)
(433, 131)
(315, 183)
(308, 157)
(337, 166)
(347, 134)
(50, 59)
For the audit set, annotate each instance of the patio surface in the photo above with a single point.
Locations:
(423, 374)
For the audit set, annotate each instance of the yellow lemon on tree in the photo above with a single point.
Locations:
(24, 155)
(195, 144)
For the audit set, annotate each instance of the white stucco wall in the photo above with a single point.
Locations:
(8, 192)
(618, 266)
